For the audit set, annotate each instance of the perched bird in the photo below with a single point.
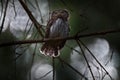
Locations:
(57, 27)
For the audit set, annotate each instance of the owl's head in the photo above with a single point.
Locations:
(60, 13)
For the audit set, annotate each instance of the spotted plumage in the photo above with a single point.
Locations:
(57, 27)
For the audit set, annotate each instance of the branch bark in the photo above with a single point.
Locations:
(2, 25)
(89, 67)
(35, 22)
(54, 39)
(107, 73)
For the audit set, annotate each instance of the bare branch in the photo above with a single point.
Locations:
(2, 25)
(1, 8)
(96, 60)
(36, 1)
(13, 2)
(86, 59)
(110, 58)
(72, 68)
(73, 49)
(45, 74)
(30, 3)
(66, 38)
(33, 57)
(37, 25)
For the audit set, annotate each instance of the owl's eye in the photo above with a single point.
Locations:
(54, 13)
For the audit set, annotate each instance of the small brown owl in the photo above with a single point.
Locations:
(57, 27)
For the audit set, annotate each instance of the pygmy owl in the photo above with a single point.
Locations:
(57, 27)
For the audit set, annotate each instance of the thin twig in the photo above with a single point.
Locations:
(86, 60)
(14, 7)
(66, 38)
(73, 49)
(110, 58)
(36, 1)
(1, 8)
(96, 59)
(45, 74)
(104, 76)
(53, 64)
(37, 25)
(32, 60)
(20, 54)
(30, 3)
(25, 30)
(97, 69)
(72, 68)
(2, 25)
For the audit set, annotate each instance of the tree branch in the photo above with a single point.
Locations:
(96, 60)
(72, 68)
(54, 39)
(37, 25)
(86, 59)
(1, 27)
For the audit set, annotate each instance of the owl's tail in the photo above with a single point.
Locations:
(49, 50)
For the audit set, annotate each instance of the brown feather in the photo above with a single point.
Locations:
(52, 48)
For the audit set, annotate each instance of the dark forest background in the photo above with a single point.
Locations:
(25, 62)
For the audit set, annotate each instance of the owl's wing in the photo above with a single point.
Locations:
(50, 22)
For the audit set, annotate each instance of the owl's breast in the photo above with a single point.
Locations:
(59, 28)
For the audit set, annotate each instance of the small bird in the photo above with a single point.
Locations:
(57, 27)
